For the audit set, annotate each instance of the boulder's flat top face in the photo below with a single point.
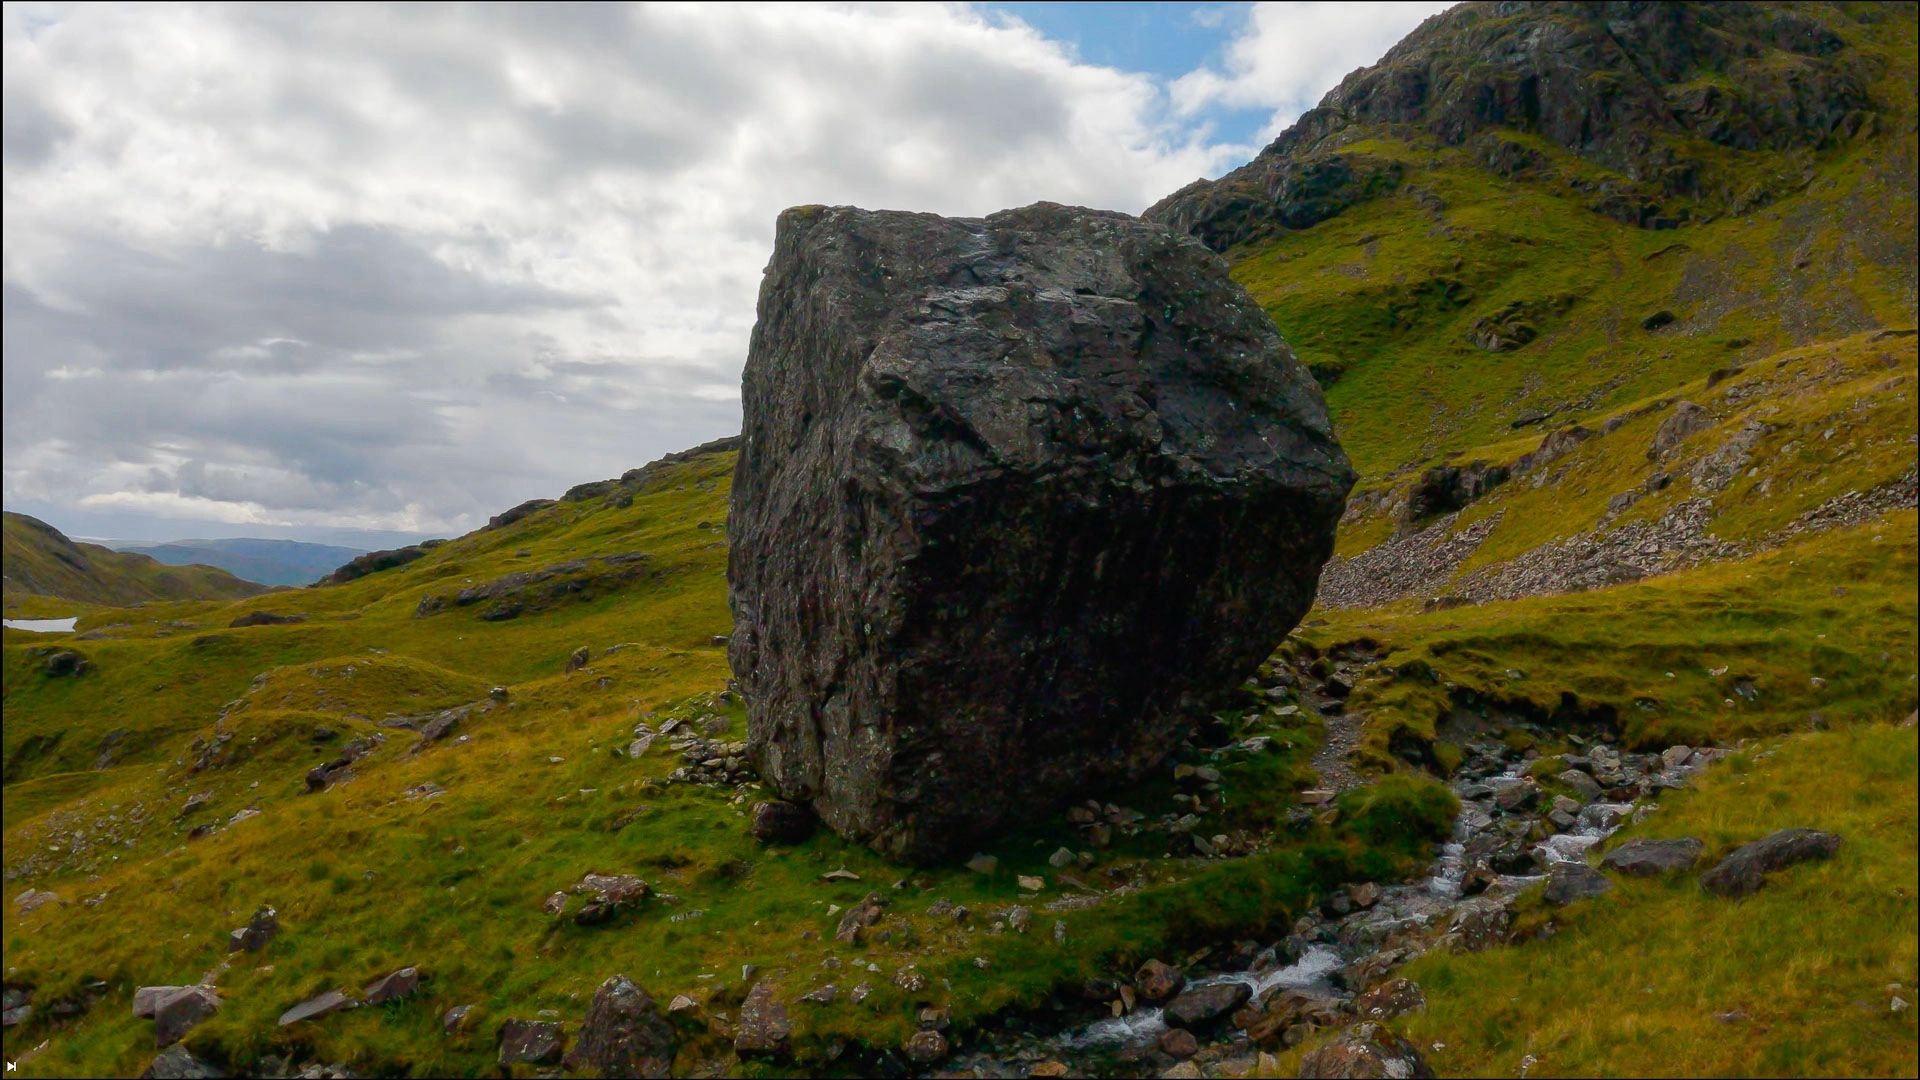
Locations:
(1010, 490)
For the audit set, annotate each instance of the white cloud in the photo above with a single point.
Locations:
(407, 265)
(1290, 54)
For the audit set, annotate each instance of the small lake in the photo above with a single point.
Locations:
(42, 626)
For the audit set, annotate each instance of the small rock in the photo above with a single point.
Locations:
(1364, 895)
(1051, 1070)
(35, 899)
(1179, 1043)
(1032, 884)
(316, 1007)
(400, 984)
(147, 999)
(1745, 870)
(455, 1020)
(259, 930)
(531, 1042)
(179, 1012)
(1585, 787)
(858, 918)
(1651, 858)
(763, 1027)
(579, 658)
(1199, 1007)
(178, 1063)
(1157, 981)
(926, 1047)
(1395, 997)
(625, 1034)
(1366, 1049)
(1060, 859)
(1675, 756)
(1568, 882)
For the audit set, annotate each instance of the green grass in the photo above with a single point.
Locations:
(368, 878)
(1823, 630)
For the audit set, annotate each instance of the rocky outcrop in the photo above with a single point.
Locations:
(1630, 87)
(1014, 494)
(373, 562)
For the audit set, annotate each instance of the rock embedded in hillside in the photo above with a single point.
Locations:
(530, 1042)
(179, 1012)
(625, 1033)
(1395, 997)
(400, 984)
(316, 1007)
(1651, 858)
(1688, 420)
(260, 929)
(1746, 869)
(1366, 1049)
(764, 1025)
(1571, 882)
(147, 999)
(1016, 494)
(178, 1063)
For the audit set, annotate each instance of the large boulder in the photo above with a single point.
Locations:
(1014, 496)
(1651, 858)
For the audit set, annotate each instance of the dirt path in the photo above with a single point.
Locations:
(1334, 760)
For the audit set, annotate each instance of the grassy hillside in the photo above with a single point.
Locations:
(41, 562)
(1659, 978)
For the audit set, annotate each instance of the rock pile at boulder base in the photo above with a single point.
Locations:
(1015, 494)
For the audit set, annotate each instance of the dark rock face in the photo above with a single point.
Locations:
(1367, 1049)
(1013, 493)
(373, 562)
(782, 822)
(1651, 858)
(1745, 870)
(1446, 488)
(625, 1033)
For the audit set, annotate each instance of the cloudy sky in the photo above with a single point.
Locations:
(288, 270)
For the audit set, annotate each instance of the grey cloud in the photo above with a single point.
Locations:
(398, 267)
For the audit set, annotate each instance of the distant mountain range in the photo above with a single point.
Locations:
(42, 561)
(270, 562)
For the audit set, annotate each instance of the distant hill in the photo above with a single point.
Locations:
(271, 562)
(41, 561)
